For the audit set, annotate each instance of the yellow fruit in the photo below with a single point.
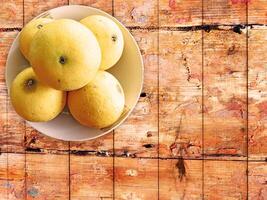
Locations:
(109, 36)
(100, 103)
(33, 100)
(65, 55)
(28, 32)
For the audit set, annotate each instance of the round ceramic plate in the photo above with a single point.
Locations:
(129, 71)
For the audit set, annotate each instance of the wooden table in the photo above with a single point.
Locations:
(199, 130)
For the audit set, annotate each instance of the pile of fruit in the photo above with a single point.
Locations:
(68, 61)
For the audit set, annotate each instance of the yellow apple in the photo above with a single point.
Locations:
(109, 36)
(98, 104)
(65, 54)
(33, 100)
(28, 33)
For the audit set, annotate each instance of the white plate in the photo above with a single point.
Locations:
(129, 71)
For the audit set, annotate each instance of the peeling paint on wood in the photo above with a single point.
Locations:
(180, 179)
(91, 177)
(180, 100)
(257, 10)
(16, 176)
(177, 13)
(225, 180)
(104, 143)
(36, 140)
(257, 118)
(136, 13)
(12, 133)
(180, 94)
(257, 178)
(225, 93)
(47, 176)
(141, 185)
(32, 8)
(3, 176)
(105, 5)
(131, 136)
(224, 12)
(11, 14)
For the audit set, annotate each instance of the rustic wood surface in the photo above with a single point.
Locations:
(199, 130)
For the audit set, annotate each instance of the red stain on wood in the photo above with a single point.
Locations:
(263, 109)
(180, 97)
(172, 4)
(240, 1)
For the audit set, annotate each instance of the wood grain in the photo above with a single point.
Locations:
(224, 11)
(257, 118)
(16, 176)
(257, 178)
(181, 13)
(40, 143)
(47, 176)
(15, 130)
(136, 179)
(4, 46)
(225, 95)
(11, 14)
(98, 145)
(32, 8)
(225, 180)
(140, 13)
(91, 178)
(257, 12)
(47, 166)
(180, 179)
(180, 85)
(12, 126)
(105, 5)
(12, 176)
(138, 135)
(3, 176)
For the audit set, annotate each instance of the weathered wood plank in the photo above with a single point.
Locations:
(180, 179)
(91, 177)
(11, 15)
(12, 176)
(32, 8)
(224, 11)
(4, 46)
(16, 176)
(225, 95)
(105, 5)
(15, 130)
(3, 176)
(136, 179)
(178, 13)
(225, 180)
(257, 12)
(101, 144)
(139, 13)
(257, 118)
(38, 142)
(257, 179)
(180, 83)
(47, 176)
(34, 140)
(12, 126)
(138, 135)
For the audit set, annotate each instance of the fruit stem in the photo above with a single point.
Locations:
(114, 38)
(62, 60)
(29, 83)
